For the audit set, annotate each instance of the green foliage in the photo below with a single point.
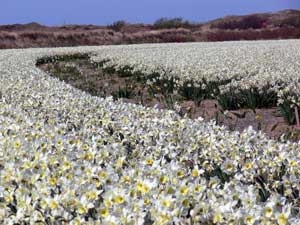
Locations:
(123, 92)
(70, 73)
(62, 58)
(231, 100)
(125, 71)
(228, 101)
(91, 87)
(118, 25)
(248, 98)
(109, 70)
(199, 91)
(224, 177)
(254, 98)
(287, 112)
(165, 23)
(66, 73)
(264, 193)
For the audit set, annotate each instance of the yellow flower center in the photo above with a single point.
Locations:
(183, 190)
(195, 173)
(163, 179)
(149, 162)
(118, 199)
(229, 167)
(103, 212)
(165, 203)
(53, 205)
(249, 220)
(268, 212)
(281, 219)
(248, 166)
(52, 181)
(217, 217)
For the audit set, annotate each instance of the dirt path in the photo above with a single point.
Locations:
(84, 75)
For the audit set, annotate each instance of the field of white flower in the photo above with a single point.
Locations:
(239, 74)
(69, 158)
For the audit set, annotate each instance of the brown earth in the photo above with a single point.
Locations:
(279, 25)
(92, 79)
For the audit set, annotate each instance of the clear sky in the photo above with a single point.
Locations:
(58, 12)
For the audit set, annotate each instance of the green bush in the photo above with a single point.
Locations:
(117, 26)
(165, 23)
(247, 22)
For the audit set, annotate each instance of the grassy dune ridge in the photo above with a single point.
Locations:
(265, 26)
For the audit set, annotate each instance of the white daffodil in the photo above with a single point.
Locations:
(166, 169)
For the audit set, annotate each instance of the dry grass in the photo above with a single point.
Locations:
(35, 35)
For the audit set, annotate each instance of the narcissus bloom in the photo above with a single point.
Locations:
(62, 158)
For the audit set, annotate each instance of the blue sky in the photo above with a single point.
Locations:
(57, 12)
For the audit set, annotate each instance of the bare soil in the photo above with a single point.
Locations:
(92, 79)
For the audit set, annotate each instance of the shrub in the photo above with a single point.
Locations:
(165, 23)
(290, 22)
(118, 25)
(247, 22)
